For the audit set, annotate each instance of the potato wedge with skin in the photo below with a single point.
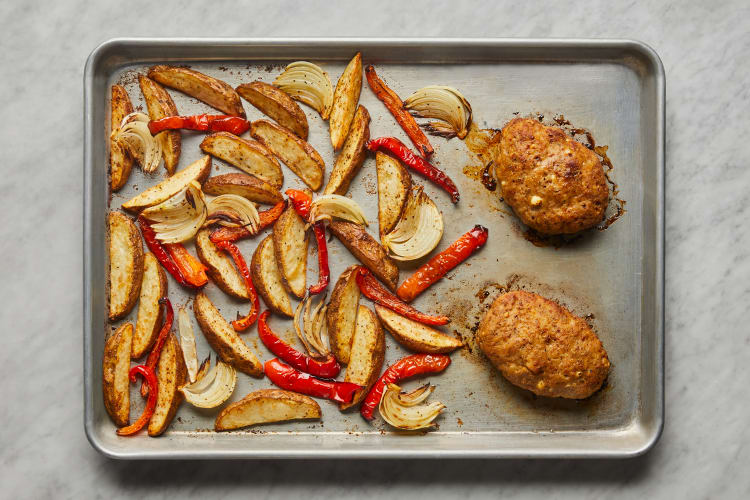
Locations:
(351, 158)
(171, 374)
(196, 171)
(341, 316)
(267, 279)
(416, 336)
(125, 264)
(394, 186)
(298, 155)
(120, 161)
(367, 354)
(248, 186)
(266, 406)
(277, 104)
(345, 98)
(223, 339)
(290, 247)
(115, 370)
(367, 250)
(247, 155)
(160, 105)
(153, 288)
(205, 88)
(220, 266)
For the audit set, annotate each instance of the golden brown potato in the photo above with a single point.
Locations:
(115, 368)
(351, 158)
(223, 339)
(160, 105)
(367, 354)
(345, 98)
(276, 104)
(125, 264)
(153, 288)
(394, 186)
(196, 171)
(267, 278)
(264, 406)
(220, 266)
(245, 154)
(171, 374)
(252, 188)
(297, 154)
(416, 336)
(368, 251)
(206, 88)
(341, 316)
(290, 247)
(120, 161)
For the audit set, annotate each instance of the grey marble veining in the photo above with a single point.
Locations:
(704, 452)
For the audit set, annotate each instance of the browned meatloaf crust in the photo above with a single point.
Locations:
(554, 183)
(541, 346)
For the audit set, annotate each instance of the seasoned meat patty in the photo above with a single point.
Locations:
(555, 184)
(541, 346)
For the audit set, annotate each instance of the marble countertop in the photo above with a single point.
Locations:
(705, 48)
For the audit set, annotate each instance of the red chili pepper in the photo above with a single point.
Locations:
(434, 269)
(409, 366)
(328, 368)
(288, 378)
(396, 106)
(301, 201)
(324, 273)
(191, 268)
(242, 323)
(400, 151)
(266, 218)
(374, 291)
(153, 356)
(149, 378)
(201, 123)
(156, 247)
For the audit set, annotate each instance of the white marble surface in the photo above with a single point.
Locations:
(705, 47)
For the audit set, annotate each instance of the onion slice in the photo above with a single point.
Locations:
(419, 229)
(178, 218)
(187, 342)
(307, 83)
(330, 206)
(405, 411)
(232, 210)
(134, 135)
(314, 332)
(442, 103)
(213, 389)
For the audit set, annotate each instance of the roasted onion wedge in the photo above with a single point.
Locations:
(179, 218)
(404, 411)
(307, 83)
(418, 231)
(216, 386)
(330, 206)
(442, 103)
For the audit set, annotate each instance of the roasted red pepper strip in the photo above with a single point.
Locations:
(396, 106)
(149, 378)
(324, 273)
(157, 248)
(242, 323)
(301, 201)
(266, 217)
(400, 151)
(434, 269)
(328, 368)
(374, 291)
(409, 366)
(288, 378)
(153, 356)
(201, 123)
(191, 268)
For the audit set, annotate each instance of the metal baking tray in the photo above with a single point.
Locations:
(614, 88)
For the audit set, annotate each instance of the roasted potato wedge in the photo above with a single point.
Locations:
(120, 161)
(206, 88)
(267, 279)
(125, 264)
(265, 406)
(160, 105)
(341, 316)
(290, 247)
(153, 288)
(351, 158)
(115, 370)
(416, 336)
(367, 354)
(247, 155)
(223, 339)
(275, 103)
(252, 188)
(171, 374)
(345, 99)
(367, 250)
(394, 186)
(297, 154)
(220, 266)
(196, 171)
